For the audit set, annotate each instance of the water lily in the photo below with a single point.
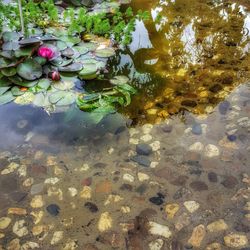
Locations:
(46, 52)
(55, 76)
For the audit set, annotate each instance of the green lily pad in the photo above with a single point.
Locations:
(81, 49)
(60, 62)
(75, 67)
(91, 46)
(8, 71)
(118, 80)
(6, 98)
(70, 40)
(4, 82)
(7, 54)
(24, 51)
(16, 91)
(20, 82)
(62, 98)
(61, 45)
(10, 46)
(41, 100)
(68, 52)
(29, 41)
(64, 85)
(105, 53)
(88, 69)
(40, 60)
(25, 99)
(4, 89)
(29, 70)
(9, 36)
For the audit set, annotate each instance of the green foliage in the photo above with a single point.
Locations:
(42, 14)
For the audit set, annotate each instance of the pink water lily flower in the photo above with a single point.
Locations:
(46, 52)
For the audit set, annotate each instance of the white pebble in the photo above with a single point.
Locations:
(128, 177)
(211, 151)
(196, 147)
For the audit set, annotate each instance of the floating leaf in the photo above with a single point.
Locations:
(6, 98)
(10, 46)
(62, 98)
(68, 52)
(75, 67)
(126, 87)
(16, 91)
(63, 85)
(61, 45)
(27, 51)
(29, 41)
(41, 100)
(30, 69)
(19, 81)
(9, 36)
(81, 49)
(98, 114)
(8, 71)
(7, 54)
(88, 72)
(70, 40)
(60, 62)
(4, 82)
(105, 53)
(118, 80)
(25, 99)
(40, 60)
(3, 90)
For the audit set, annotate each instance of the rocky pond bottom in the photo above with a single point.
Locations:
(181, 184)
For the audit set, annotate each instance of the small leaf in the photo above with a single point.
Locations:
(105, 53)
(3, 90)
(62, 98)
(29, 69)
(6, 98)
(8, 71)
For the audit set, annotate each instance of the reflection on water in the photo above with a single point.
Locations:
(190, 55)
(68, 184)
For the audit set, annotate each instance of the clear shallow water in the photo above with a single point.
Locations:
(83, 183)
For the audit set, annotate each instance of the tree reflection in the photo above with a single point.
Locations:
(193, 54)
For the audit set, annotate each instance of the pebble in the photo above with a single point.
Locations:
(105, 222)
(133, 141)
(128, 178)
(133, 131)
(146, 128)
(143, 149)
(17, 211)
(91, 206)
(229, 182)
(72, 191)
(22, 171)
(70, 245)
(212, 177)
(2, 236)
(196, 147)
(113, 199)
(224, 107)
(57, 237)
(14, 244)
(86, 192)
(37, 216)
(214, 246)
(53, 209)
(142, 177)
(29, 245)
(156, 244)
(191, 206)
(217, 226)
(197, 129)
(158, 229)
(171, 210)
(141, 160)
(156, 145)
(156, 200)
(125, 209)
(36, 188)
(198, 235)
(19, 229)
(211, 151)
(199, 186)
(235, 240)
(37, 201)
(10, 169)
(52, 181)
(28, 182)
(146, 138)
(4, 222)
(182, 221)
(37, 230)
(54, 191)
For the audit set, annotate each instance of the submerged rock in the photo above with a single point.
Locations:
(217, 226)
(143, 149)
(141, 160)
(53, 209)
(160, 230)
(198, 235)
(105, 222)
(19, 229)
(156, 244)
(235, 240)
(171, 210)
(4, 222)
(191, 206)
(57, 237)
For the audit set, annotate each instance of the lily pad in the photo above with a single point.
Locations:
(25, 99)
(30, 41)
(62, 98)
(68, 52)
(88, 69)
(61, 45)
(6, 98)
(40, 60)
(75, 67)
(60, 62)
(27, 51)
(105, 53)
(16, 91)
(4, 82)
(118, 80)
(64, 85)
(41, 100)
(10, 46)
(8, 71)
(20, 82)
(81, 49)
(70, 40)
(9, 36)
(4, 89)
(7, 54)
(30, 69)
(43, 84)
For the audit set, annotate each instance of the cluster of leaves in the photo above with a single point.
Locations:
(106, 102)
(105, 19)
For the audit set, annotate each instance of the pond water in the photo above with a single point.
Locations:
(171, 171)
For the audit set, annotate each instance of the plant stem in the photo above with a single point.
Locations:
(21, 15)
